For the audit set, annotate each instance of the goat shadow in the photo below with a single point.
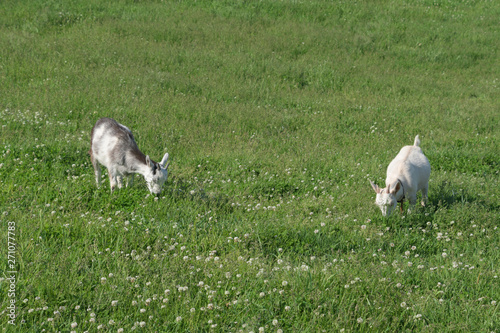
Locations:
(181, 189)
(447, 195)
(177, 190)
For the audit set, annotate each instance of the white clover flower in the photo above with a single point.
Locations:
(114, 303)
(178, 319)
(360, 320)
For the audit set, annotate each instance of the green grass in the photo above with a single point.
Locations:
(276, 114)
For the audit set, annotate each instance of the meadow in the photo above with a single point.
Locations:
(276, 115)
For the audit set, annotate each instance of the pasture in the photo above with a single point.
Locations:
(276, 115)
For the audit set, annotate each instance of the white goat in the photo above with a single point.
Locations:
(113, 146)
(407, 174)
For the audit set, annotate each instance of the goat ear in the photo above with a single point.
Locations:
(388, 189)
(375, 187)
(164, 160)
(148, 161)
(396, 189)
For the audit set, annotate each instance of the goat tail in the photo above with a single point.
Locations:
(417, 141)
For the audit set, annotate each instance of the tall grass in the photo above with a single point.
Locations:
(276, 114)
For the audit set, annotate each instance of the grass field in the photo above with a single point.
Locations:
(276, 114)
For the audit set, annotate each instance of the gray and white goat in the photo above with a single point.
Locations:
(113, 145)
(407, 174)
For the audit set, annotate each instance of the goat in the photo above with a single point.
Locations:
(407, 174)
(113, 145)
